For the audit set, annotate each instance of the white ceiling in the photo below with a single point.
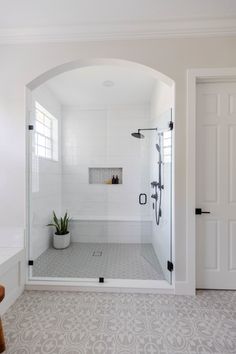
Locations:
(31, 13)
(57, 20)
(85, 86)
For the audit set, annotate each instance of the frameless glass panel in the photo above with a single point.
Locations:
(44, 191)
(156, 238)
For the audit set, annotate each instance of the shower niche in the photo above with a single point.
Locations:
(104, 175)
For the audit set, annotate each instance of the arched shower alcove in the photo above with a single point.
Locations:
(127, 247)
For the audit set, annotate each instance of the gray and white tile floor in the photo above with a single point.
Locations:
(114, 323)
(94, 260)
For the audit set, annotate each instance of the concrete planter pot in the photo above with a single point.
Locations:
(61, 241)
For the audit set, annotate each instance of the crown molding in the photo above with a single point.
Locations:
(121, 31)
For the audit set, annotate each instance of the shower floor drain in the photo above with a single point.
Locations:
(97, 253)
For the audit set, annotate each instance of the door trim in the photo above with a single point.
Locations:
(193, 77)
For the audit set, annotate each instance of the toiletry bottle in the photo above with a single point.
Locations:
(117, 179)
(113, 181)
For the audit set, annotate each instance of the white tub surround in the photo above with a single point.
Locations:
(12, 274)
(12, 264)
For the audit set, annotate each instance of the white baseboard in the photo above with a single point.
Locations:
(184, 288)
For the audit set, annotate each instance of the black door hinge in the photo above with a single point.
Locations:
(30, 262)
(101, 280)
(30, 127)
(171, 125)
(170, 266)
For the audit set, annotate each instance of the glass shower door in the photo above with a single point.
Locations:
(157, 251)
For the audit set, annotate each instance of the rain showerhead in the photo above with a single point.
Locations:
(139, 135)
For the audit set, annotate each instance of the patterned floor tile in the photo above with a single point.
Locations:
(47, 322)
(117, 261)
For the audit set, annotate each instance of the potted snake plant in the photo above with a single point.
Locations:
(61, 237)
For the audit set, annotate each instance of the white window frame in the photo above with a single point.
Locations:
(46, 130)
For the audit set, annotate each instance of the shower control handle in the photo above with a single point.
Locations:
(140, 199)
(154, 196)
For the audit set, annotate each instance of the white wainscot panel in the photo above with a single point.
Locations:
(232, 163)
(232, 103)
(232, 245)
(210, 164)
(210, 240)
(211, 103)
(12, 275)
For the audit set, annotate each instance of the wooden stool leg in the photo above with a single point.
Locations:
(2, 340)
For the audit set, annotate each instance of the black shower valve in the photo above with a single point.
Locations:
(154, 196)
(154, 184)
(160, 186)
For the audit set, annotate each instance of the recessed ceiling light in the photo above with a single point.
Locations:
(108, 83)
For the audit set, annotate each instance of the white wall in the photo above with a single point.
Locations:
(21, 63)
(46, 181)
(102, 138)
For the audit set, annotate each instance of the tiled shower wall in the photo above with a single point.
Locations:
(101, 137)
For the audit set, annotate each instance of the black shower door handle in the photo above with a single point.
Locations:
(198, 211)
(140, 199)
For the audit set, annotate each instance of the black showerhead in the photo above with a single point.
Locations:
(138, 135)
(158, 147)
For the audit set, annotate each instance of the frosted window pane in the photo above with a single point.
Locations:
(36, 139)
(39, 116)
(48, 153)
(167, 151)
(48, 144)
(47, 132)
(41, 151)
(167, 142)
(47, 122)
(167, 135)
(41, 140)
(39, 127)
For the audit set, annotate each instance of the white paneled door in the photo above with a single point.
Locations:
(216, 185)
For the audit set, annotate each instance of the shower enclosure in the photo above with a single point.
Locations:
(83, 159)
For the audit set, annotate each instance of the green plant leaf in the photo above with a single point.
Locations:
(60, 224)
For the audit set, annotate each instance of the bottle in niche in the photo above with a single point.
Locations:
(117, 179)
(113, 181)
